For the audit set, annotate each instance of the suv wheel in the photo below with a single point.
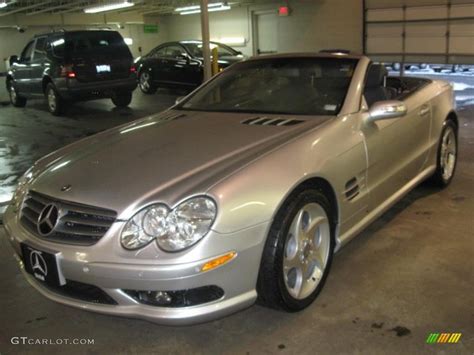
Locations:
(15, 98)
(122, 99)
(146, 83)
(55, 103)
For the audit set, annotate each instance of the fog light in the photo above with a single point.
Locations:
(156, 298)
(180, 298)
(221, 260)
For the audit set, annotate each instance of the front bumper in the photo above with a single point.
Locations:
(119, 272)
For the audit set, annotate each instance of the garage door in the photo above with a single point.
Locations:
(420, 31)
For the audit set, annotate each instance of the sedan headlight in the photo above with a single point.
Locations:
(174, 230)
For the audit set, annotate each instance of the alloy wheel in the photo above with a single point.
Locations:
(306, 251)
(145, 81)
(52, 100)
(448, 153)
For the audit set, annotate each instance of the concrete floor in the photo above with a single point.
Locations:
(410, 274)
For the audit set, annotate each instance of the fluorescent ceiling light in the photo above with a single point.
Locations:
(197, 7)
(211, 9)
(128, 41)
(108, 7)
(3, 4)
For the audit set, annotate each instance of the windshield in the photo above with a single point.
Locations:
(195, 49)
(299, 86)
(97, 42)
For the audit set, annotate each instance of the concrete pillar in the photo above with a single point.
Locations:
(206, 48)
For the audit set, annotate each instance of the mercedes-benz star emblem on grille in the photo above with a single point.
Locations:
(48, 219)
(37, 263)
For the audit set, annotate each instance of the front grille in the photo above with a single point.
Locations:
(83, 292)
(77, 224)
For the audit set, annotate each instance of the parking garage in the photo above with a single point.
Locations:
(77, 73)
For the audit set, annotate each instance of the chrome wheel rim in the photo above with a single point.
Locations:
(12, 93)
(145, 81)
(51, 99)
(306, 251)
(448, 153)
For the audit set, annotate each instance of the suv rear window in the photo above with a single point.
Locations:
(103, 42)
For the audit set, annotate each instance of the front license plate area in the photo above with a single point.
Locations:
(41, 265)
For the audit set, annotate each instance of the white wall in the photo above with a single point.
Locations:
(312, 25)
(232, 23)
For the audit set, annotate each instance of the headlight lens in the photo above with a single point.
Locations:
(21, 189)
(173, 230)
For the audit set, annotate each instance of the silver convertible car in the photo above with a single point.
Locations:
(241, 192)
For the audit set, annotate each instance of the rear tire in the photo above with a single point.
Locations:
(145, 82)
(15, 98)
(298, 252)
(122, 99)
(56, 104)
(446, 160)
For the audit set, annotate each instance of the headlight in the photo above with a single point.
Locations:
(21, 189)
(173, 230)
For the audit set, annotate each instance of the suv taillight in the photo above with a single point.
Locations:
(133, 69)
(67, 71)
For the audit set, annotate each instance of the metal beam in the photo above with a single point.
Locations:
(47, 9)
(20, 9)
(206, 45)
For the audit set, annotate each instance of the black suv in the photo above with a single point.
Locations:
(73, 66)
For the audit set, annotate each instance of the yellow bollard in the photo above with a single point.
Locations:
(215, 63)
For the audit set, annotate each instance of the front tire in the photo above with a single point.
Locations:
(446, 160)
(298, 252)
(15, 99)
(122, 99)
(145, 82)
(56, 104)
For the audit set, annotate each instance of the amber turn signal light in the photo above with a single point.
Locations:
(221, 260)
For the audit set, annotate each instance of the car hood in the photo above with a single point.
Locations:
(162, 158)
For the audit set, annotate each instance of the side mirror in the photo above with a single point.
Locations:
(179, 99)
(185, 57)
(383, 110)
(13, 59)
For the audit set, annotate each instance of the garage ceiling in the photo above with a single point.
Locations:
(33, 7)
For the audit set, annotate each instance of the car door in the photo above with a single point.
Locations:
(174, 65)
(22, 68)
(394, 150)
(38, 66)
(154, 63)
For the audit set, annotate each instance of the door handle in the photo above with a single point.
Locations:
(425, 109)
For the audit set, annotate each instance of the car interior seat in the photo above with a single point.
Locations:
(375, 86)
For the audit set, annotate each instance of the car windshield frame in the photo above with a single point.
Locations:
(346, 63)
(113, 43)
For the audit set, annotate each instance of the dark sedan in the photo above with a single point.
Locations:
(179, 64)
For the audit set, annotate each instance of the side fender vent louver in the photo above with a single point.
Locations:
(267, 121)
(351, 189)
